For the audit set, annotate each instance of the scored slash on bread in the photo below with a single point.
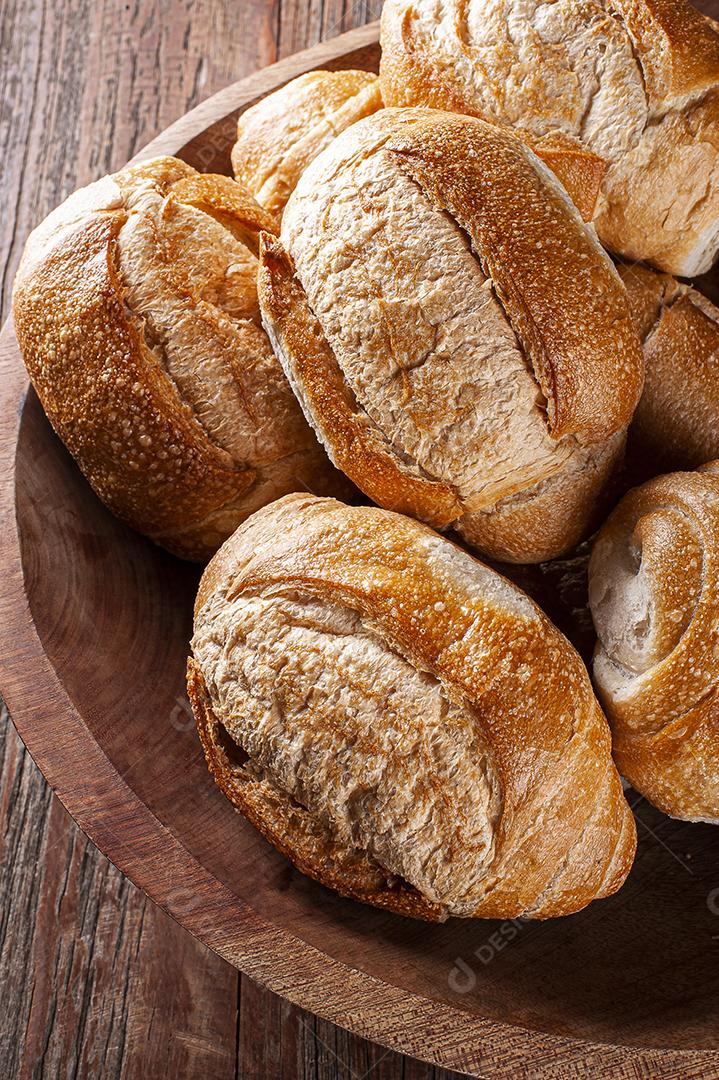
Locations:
(355, 444)
(406, 713)
(454, 333)
(636, 82)
(136, 310)
(485, 180)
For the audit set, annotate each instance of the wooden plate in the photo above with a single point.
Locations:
(94, 625)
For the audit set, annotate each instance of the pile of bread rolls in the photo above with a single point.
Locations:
(432, 319)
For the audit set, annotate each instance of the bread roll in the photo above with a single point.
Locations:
(136, 311)
(634, 81)
(454, 333)
(676, 425)
(400, 721)
(280, 136)
(654, 597)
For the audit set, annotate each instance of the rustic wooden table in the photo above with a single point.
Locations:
(95, 981)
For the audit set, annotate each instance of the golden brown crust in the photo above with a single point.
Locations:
(68, 351)
(102, 374)
(408, 72)
(654, 589)
(551, 518)
(675, 425)
(280, 136)
(562, 298)
(678, 45)
(291, 830)
(460, 623)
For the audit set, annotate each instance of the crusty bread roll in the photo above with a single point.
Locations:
(136, 311)
(454, 333)
(654, 596)
(400, 721)
(283, 133)
(676, 425)
(635, 81)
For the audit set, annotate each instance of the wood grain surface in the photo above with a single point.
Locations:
(95, 981)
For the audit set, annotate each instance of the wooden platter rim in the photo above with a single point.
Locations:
(124, 828)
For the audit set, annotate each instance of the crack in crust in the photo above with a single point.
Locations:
(443, 161)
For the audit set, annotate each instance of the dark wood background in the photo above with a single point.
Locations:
(95, 981)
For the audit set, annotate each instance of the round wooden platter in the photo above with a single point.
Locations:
(94, 626)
